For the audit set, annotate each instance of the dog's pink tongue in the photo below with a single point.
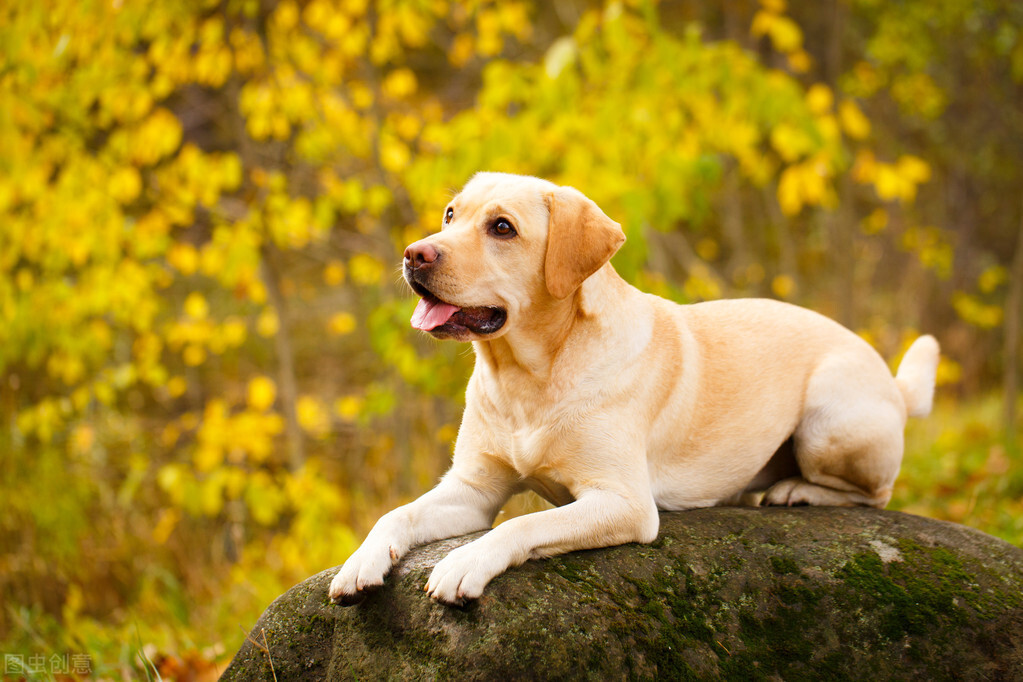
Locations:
(430, 314)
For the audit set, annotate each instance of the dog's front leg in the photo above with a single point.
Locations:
(597, 518)
(454, 507)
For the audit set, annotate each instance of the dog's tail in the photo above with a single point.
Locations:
(916, 374)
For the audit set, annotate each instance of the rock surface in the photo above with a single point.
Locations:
(726, 593)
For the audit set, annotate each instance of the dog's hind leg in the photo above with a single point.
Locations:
(799, 491)
(849, 443)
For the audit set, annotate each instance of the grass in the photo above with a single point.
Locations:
(960, 467)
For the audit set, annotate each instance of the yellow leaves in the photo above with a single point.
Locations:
(701, 285)
(949, 372)
(334, 273)
(226, 441)
(513, 18)
(213, 60)
(708, 249)
(348, 408)
(125, 103)
(261, 393)
(233, 332)
(913, 168)
(270, 105)
(353, 42)
(249, 56)
(66, 367)
(355, 8)
(863, 80)
(561, 54)
(235, 437)
(157, 136)
(976, 312)
(898, 181)
(196, 306)
(196, 334)
(446, 433)
(399, 83)
(804, 184)
(394, 154)
(991, 278)
(151, 235)
(83, 437)
(176, 386)
(409, 23)
(919, 94)
(324, 17)
(799, 61)
(876, 222)
(264, 498)
(783, 286)
(24, 279)
(43, 419)
(493, 21)
(341, 324)
(194, 355)
(378, 198)
(791, 142)
(312, 416)
(365, 270)
(462, 49)
(819, 99)
(930, 245)
(267, 323)
(360, 94)
(125, 184)
(168, 519)
(291, 221)
(854, 123)
(888, 183)
(285, 16)
(194, 177)
(785, 34)
(489, 41)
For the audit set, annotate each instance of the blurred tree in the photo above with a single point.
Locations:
(198, 200)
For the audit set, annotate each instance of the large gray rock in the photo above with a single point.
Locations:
(725, 593)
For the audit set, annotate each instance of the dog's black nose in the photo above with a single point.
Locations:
(420, 253)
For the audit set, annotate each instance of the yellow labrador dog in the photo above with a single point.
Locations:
(612, 403)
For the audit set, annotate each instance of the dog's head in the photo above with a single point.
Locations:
(510, 246)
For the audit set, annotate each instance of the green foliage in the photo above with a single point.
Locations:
(208, 382)
(958, 466)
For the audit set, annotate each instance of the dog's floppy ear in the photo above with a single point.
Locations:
(580, 239)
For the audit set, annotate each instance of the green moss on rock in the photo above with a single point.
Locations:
(728, 593)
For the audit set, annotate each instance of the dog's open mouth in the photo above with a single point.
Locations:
(443, 319)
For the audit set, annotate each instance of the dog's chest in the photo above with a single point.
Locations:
(536, 432)
(533, 454)
(526, 450)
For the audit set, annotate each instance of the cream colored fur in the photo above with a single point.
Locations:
(612, 403)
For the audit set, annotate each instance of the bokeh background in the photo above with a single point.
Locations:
(208, 386)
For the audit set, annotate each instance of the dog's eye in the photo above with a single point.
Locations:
(502, 228)
(448, 215)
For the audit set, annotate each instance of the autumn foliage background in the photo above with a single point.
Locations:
(208, 384)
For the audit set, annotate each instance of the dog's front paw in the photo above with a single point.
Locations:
(363, 573)
(461, 575)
